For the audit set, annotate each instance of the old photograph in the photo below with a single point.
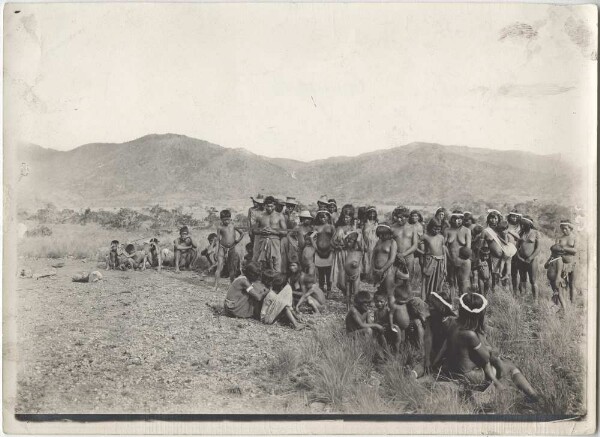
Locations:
(365, 212)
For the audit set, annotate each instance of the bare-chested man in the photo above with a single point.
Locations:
(569, 245)
(456, 236)
(406, 236)
(184, 249)
(292, 216)
(434, 267)
(305, 227)
(270, 228)
(253, 213)
(527, 254)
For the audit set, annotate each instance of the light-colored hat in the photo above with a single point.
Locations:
(494, 211)
(259, 199)
(323, 199)
(291, 200)
(529, 220)
(305, 214)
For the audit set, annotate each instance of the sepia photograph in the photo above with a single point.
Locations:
(370, 217)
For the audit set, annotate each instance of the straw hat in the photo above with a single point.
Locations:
(305, 214)
(291, 201)
(323, 199)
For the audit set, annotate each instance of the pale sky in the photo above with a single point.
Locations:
(303, 81)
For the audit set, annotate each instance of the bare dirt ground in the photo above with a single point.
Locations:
(143, 342)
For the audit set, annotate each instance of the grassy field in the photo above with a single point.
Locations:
(319, 370)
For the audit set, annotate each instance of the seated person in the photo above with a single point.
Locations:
(441, 315)
(391, 334)
(184, 249)
(245, 294)
(469, 356)
(357, 319)
(210, 252)
(313, 295)
(278, 303)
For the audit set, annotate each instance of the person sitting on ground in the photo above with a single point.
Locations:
(384, 257)
(357, 319)
(307, 260)
(434, 267)
(227, 242)
(462, 269)
(245, 294)
(278, 303)
(154, 254)
(323, 249)
(313, 295)
(470, 357)
(556, 275)
(483, 270)
(529, 249)
(210, 252)
(270, 228)
(352, 264)
(184, 249)
(390, 337)
(296, 279)
(441, 315)
(138, 257)
(569, 245)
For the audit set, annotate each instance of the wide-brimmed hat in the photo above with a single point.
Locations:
(529, 220)
(305, 214)
(291, 200)
(495, 211)
(323, 199)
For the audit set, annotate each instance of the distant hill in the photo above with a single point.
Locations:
(178, 170)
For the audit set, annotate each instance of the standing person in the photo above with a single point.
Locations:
(290, 249)
(305, 227)
(332, 208)
(456, 236)
(527, 254)
(184, 249)
(226, 252)
(556, 276)
(384, 259)
(280, 204)
(322, 203)
(468, 220)
(514, 230)
(369, 235)
(442, 217)
(434, 267)
(253, 213)
(291, 212)
(323, 249)
(569, 245)
(352, 264)
(407, 239)
(344, 227)
(490, 237)
(270, 228)
(415, 222)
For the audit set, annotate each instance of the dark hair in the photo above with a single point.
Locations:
(152, 240)
(114, 242)
(380, 295)
(445, 311)
(225, 214)
(211, 236)
(249, 247)
(279, 281)
(453, 217)
(267, 277)
(270, 199)
(252, 271)
(401, 211)
(184, 229)
(468, 320)
(502, 225)
(442, 209)
(318, 216)
(477, 229)
(341, 218)
(464, 252)
(487, 220)
(130, 248)
(433, 223)
(362, 296)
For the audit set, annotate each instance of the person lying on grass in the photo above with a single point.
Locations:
(557, 275)
(245, 294)
(357, 319)
(469, 356)
(277, 304)
(313, 295)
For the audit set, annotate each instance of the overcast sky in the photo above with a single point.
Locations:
(303, 81)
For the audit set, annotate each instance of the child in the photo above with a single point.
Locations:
(313, 295)
(296, 279)
(184, 249)
(482, 268)
(434, 265)
(569, 245)
(357, 319)
(462, 269)
(245, 294)
(249, 253)
(279, 302)
(556, 274)
(226, 251)
(210, 252)
(384, 256)
(112, 259)
(307, 260)
(382, 316)
(352, 265)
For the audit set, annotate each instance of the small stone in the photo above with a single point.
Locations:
(317, 407)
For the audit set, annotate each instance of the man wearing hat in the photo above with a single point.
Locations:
(305, 227)
(279, 204)
(569, 245)
(270, 228)
(291, 212)
(526, 255)
(322, 202)
(253, 213)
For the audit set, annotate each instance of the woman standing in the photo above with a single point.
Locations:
(344, 226)
(456, 236)
(369, 234)
(324, 232)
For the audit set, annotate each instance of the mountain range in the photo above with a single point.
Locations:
(178, 170)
